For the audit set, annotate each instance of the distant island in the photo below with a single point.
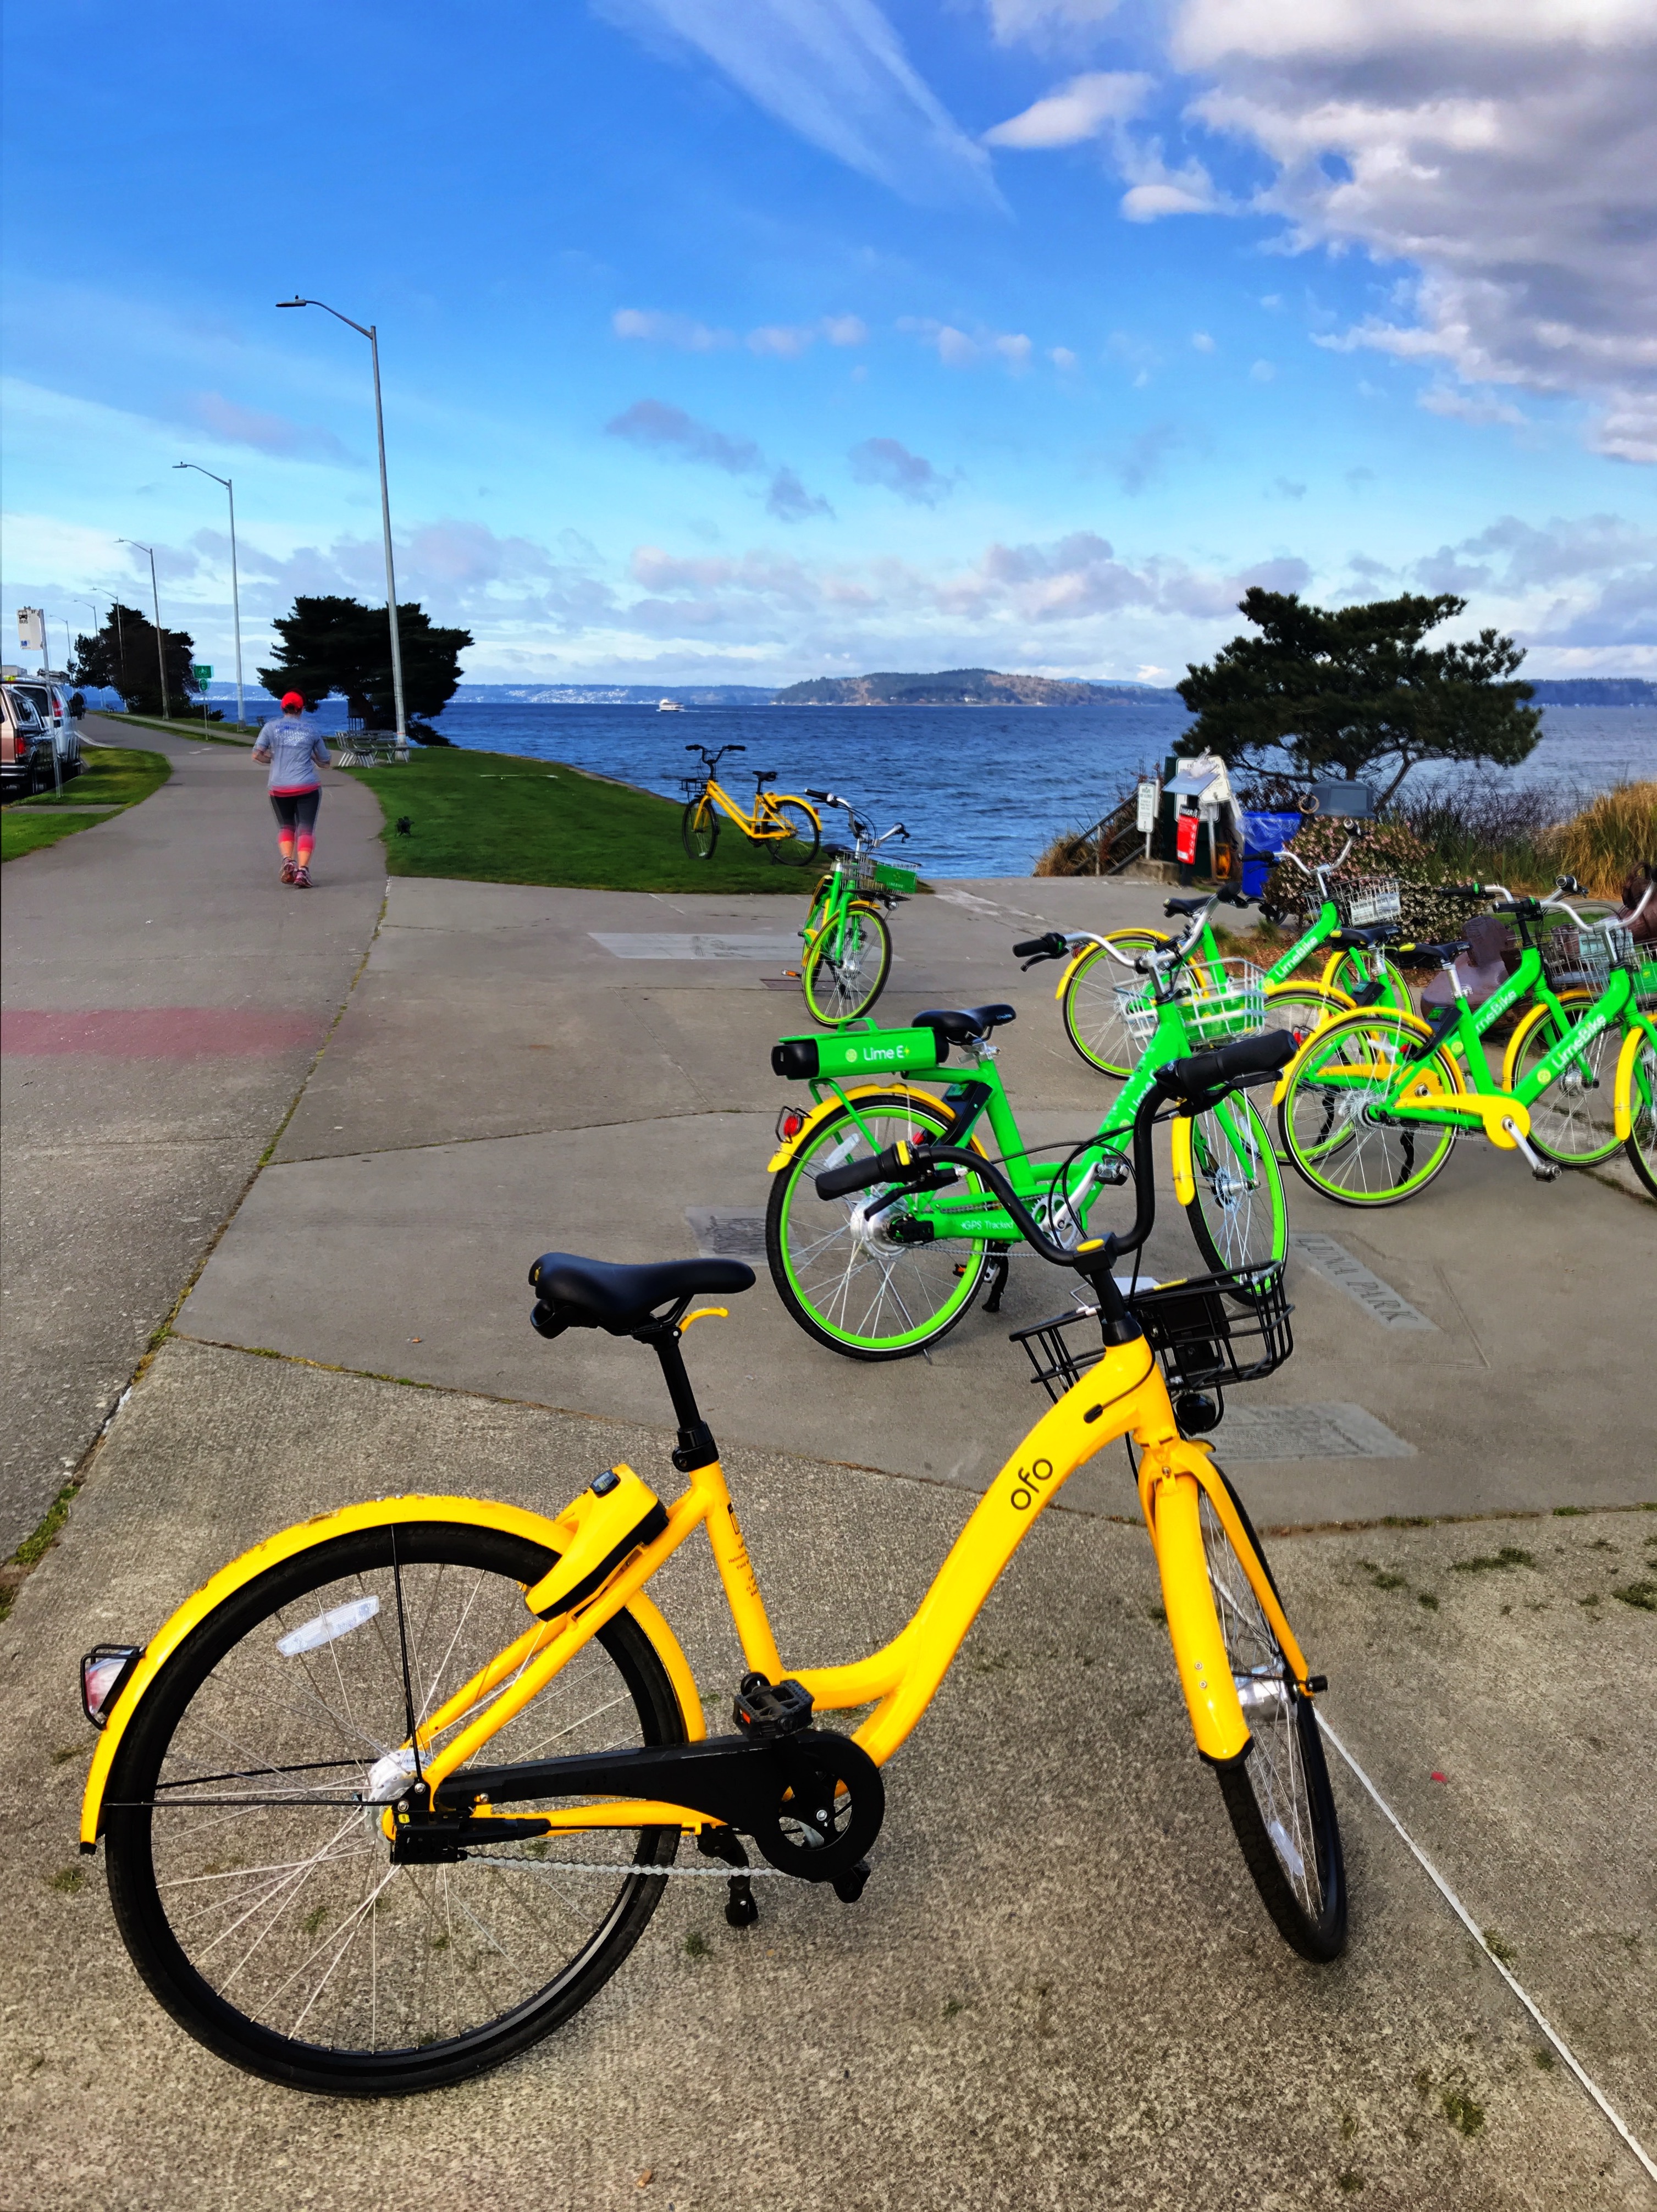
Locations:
(952, 687)
(1593, 691)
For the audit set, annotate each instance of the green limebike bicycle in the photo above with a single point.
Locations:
(1371, 1109)
(848, 946)
(888, 1271)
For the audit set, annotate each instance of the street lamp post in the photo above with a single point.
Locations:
(370, 331)
(155, 602)
(235, 587)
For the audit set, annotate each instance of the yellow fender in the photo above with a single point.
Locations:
(322, 1528)
(1622, 1110)
(785, 1152)
(1185, 1178)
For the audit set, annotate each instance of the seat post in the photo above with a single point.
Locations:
(696, 1447)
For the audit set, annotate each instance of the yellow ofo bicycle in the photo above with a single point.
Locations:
(395, 1793)
(788, 827)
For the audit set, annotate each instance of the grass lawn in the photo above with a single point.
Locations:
(114, 776)
(216, 733)
(499, 818)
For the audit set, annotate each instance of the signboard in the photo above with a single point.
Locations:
(1145, 818)
(31, 629)
(200, 673)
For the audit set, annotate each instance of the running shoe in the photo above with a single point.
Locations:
(301, 880)
(288, 871)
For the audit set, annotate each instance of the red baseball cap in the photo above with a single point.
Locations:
(291, 699)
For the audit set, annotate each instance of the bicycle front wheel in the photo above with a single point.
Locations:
(1093, 1012)
(1573, 1120)
(253, 1884)
(1335, 1118)
(841, 1267)
(1643, 1103)
(1236, 1210)
(1282, 1807)
(844, 970)
(794, 832)
(698, 828)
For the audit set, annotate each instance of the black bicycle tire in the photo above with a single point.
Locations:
(692, 808)
(1533, 1026)
(1138, 931)
(817, 953)
(777, 1207)
(777, 848)
(1341, 1198)
(1322, 1939)
(172, 1978)
(1220, 1263)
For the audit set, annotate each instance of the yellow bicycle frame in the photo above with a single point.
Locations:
(759, 826)
(1123, 1394)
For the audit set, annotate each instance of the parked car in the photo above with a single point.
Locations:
(24, 747)
(50, 700)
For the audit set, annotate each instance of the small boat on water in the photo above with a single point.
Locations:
(670, 706)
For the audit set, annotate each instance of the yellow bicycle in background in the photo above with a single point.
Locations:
(788, 827)
(396, 1793)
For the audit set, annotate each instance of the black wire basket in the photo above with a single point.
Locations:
(1209, 1333)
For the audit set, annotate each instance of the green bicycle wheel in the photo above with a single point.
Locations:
(1237, 1209)
(1573, 1120)
(1333, 1120)
(845, 967)
(801, 833)
(1355, 982)
(1643, 1134)
(1092, 1009)
(699, 828)
(250, 1875)
(841, 1267)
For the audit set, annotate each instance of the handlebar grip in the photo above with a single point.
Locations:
(822, 797)
(1053, 946)
(1200, 1072)
(863, 1175)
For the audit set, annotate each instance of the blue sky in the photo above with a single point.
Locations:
(751, 342)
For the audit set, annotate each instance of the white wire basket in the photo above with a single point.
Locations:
(1582, 959)
(1361, 900)
(1218, 1000)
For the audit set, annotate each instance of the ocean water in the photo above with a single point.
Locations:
(981, 789)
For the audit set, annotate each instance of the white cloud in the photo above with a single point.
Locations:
(1048, 22)
(1468, 406)
(1202, 341)
(788, 341)
(1071, 113)
(1062, 359)
(658, 427)
(656, 328)
(912, 475)
(958, 349)
(834, 71)
(1263, 371)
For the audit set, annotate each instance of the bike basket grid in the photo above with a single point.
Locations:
(1361, 900)
(1209, 1333)
(874, 875)
(1218, 999)
(1582, 959)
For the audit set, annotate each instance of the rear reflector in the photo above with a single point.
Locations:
(104, 1673)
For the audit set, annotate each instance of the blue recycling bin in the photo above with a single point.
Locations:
(1262, 835)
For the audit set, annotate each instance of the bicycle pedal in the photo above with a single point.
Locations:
(849, 1887)
(1546, 1172)
(765, 1711)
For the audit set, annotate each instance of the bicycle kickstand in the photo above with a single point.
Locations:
(740, 1909)
(998, 1271)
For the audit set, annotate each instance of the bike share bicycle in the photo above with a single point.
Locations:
(888, 1276)
(786, 826)
(848, 946)
(397, 1792)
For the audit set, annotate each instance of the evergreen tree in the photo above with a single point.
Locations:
(1351, 691)
(335, 644)
(121, 657)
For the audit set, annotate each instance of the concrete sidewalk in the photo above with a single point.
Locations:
(164, 997)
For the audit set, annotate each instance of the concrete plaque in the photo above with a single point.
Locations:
(726, 1232)
(1331, 1431)
(1335, 1264)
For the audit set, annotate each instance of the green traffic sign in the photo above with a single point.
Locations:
(202, 675)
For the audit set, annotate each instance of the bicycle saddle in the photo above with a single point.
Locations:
(1185, 906)
(764, 776)
(961, 1024)
(1372, 933)
(835, 852)
(605, 1294)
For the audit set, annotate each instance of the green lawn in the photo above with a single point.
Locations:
(496, 817)
(115, 776)
(216, 733)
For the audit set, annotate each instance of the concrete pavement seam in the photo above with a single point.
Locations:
(68, 1490)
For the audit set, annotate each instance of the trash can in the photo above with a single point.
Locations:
(1262, 835)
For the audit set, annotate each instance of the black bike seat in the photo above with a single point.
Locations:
(1445, 951)
(1185, 906)
(836, 852)
(961, 1024)
(605, 1294)
(764, 776)
(1373, 933)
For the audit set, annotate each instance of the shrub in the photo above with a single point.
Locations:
(1609, 838)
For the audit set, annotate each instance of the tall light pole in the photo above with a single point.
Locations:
(235, 588)
(155, 602)
(371, 332)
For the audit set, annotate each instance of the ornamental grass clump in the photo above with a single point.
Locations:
(1609, 838)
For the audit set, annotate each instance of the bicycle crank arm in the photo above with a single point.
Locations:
(747, 1784)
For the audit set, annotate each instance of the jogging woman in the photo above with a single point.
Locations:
(294, 747)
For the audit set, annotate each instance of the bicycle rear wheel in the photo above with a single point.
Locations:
(839, 1264)
(1282, 1807)
(844, 971)
(1092, 1010)
(254, 1887)
(1237, 1209)
(1334, 1119)
(699, 828)
(1573, 1120)
(800, 832)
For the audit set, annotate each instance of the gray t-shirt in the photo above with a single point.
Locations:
(296, 747)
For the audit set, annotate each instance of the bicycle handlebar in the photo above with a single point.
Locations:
(711, 760)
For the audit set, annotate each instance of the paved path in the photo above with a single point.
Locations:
(1058, 1990)
(164, 997)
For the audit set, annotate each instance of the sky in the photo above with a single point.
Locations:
(751, 340)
